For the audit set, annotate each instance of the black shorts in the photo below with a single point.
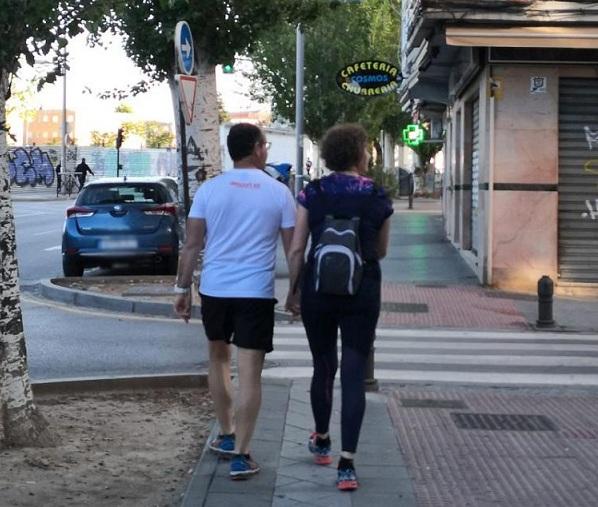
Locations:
(246, 322)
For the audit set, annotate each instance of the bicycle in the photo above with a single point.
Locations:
(69, 184)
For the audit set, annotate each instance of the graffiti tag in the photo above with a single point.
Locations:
(591, 136)
(30, 166)
(591, 213)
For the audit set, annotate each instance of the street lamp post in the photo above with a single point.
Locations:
(64, 123)
(299, 79)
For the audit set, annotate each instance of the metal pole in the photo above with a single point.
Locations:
(184, 167)
(371, 384)
(117, 162)
(64, 125)
(299, 109)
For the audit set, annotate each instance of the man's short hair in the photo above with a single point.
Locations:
(241, 140)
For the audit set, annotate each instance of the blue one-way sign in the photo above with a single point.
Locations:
(183, 41)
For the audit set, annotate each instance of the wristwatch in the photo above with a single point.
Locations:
(181, 290)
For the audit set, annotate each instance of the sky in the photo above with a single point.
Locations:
(105, 68)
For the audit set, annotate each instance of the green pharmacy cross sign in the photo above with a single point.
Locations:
(413, 135)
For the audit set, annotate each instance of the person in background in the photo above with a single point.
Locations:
(81, 171)
(58, 178)
(346, 192)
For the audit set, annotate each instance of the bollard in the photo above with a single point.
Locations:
(545, 292)
(371, 384)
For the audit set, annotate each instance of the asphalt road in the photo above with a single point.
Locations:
(39, 238)
(72, 343)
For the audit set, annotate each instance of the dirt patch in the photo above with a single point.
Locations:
(116, 449)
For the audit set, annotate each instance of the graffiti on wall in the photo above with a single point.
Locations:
(591, 136)
(197, 157)
(31, 166)
(591, 167)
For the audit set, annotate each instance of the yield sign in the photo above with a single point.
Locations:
(187, 89)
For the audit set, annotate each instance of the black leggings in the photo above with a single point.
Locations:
(353, 367)
(357, 317)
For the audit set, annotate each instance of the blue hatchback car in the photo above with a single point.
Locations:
(122, 220)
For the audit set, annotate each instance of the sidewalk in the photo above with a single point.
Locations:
(288, 477)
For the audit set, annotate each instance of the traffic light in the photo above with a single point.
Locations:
(119, 138)
(228, 68)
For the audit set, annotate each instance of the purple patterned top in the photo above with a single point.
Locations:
(347, 195)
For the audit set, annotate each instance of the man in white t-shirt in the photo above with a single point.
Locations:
(238, 217)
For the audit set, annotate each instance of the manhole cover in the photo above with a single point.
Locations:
(417, 403)
(404, 307)
(503, 422)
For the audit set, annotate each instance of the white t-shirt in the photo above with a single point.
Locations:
(244, 210)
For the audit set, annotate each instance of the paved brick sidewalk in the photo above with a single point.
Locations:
(458, 306)
(523, 466)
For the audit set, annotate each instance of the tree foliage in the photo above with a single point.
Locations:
(341, 35)
(221, 29)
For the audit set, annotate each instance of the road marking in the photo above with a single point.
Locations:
(58, 247)
(455, 333)
(46, 232)
(460, 360)
(519, 379)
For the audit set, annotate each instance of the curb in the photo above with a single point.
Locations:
(49, 290)
(94, 384)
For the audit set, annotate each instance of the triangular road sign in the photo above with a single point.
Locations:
(187, 90)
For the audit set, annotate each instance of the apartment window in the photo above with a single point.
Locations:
(45, 119)
(45, 135)
(54, 119)
(70, 119)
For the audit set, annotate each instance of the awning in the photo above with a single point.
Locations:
(524, 37)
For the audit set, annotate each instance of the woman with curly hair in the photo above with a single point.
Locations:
(345, 193)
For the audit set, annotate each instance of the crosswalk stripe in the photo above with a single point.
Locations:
(520, 379)
(451, 333)
(468, 357)
(465, 360)
(463, 346)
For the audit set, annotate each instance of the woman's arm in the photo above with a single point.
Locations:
(296, 258)
(383, 238)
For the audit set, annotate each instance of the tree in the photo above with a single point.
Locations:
(221, 29)
(27, 29)
(338, 37)
(123, 107)
(155, 134)
(107, 139)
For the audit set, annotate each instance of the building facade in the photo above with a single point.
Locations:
(514, 84)
(46, 127)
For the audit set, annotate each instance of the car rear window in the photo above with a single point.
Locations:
(123, 194)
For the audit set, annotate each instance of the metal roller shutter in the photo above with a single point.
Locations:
(475, 176)
(578, 180)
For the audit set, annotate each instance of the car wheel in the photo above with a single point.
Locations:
(72, 266)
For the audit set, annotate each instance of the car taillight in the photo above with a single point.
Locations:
(162, 209)
(78, 212)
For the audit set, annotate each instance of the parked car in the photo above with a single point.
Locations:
(122, 219)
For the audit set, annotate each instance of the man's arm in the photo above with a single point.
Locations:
(296, 258)
(196, 230)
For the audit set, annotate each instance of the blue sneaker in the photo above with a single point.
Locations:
(242, 467)
(321, 452)
(223, 444)
(346, 479)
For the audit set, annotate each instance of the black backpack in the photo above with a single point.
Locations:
(338, 267)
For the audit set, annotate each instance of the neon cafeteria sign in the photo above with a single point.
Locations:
(369, 78)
